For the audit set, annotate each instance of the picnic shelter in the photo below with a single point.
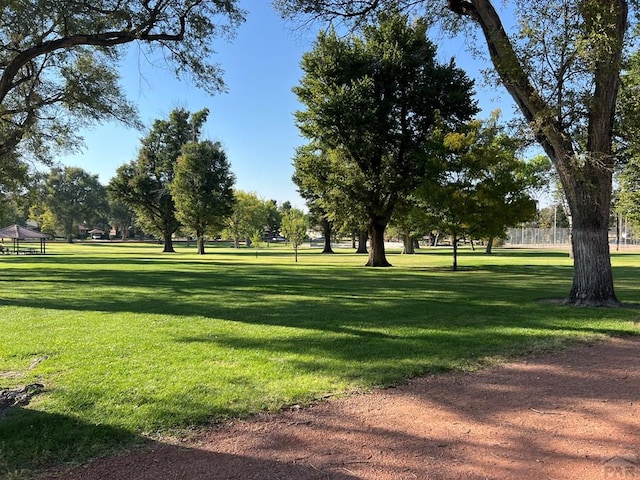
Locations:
(16, 233)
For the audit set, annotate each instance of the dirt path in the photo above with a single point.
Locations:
(570, 415)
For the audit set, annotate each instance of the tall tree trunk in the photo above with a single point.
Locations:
(377, 256)
(586, 177)
(455, 252)
(327, 231)
(200, 242)
(363, 236)
(593, 277)
(353, 240)
(489, 249)
(416, 244)
(407, 247)
(168, 242)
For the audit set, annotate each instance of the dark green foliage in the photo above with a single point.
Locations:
(374, 100)
(71, 197)
(144, 184)
(203, 188)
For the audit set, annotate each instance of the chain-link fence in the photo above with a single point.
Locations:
(538, 236)
(560, 237)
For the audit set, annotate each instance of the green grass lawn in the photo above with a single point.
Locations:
(133, 343)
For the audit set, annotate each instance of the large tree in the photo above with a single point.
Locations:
(71, 197)
(144, 184)
(562, 67)
(376, 98)
(202, 188)
(59, 60)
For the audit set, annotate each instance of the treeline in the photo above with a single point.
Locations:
(178, 184)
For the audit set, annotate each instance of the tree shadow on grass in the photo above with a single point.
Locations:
(32, 439)
(63, 441)
(362, 325)
(563, 416)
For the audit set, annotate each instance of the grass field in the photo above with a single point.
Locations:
(130, 342)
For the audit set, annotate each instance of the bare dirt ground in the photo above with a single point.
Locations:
(570, 415)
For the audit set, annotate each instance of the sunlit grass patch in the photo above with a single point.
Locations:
(132, 342)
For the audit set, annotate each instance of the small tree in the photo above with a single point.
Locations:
(250, 214)
(294, 228)
(256, 238)
(484, 188)
(202, 188)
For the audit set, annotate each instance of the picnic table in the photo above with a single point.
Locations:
(21, 250)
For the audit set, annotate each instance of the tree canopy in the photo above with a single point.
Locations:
(202, 188)
(374, 99)
(483, 187)
(561, 64)
(70, 197)
(250, 215)
(145, 183)
(59, 63)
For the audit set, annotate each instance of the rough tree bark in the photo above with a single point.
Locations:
(586, 178)
(377, 255)
(168, 242)
(363, 236)
(408, 247)
(327, 231)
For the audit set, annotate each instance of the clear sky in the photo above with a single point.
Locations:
(254, 119)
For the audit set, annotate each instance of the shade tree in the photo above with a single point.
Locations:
(374, 98)
(483, 187)
(145, 183)
(560, 62)
(202, 189)
(70, 197)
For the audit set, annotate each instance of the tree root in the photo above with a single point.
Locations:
(18, 397)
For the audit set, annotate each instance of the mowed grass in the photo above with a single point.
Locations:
(130, 342)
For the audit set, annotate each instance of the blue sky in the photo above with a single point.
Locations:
(254, 119)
